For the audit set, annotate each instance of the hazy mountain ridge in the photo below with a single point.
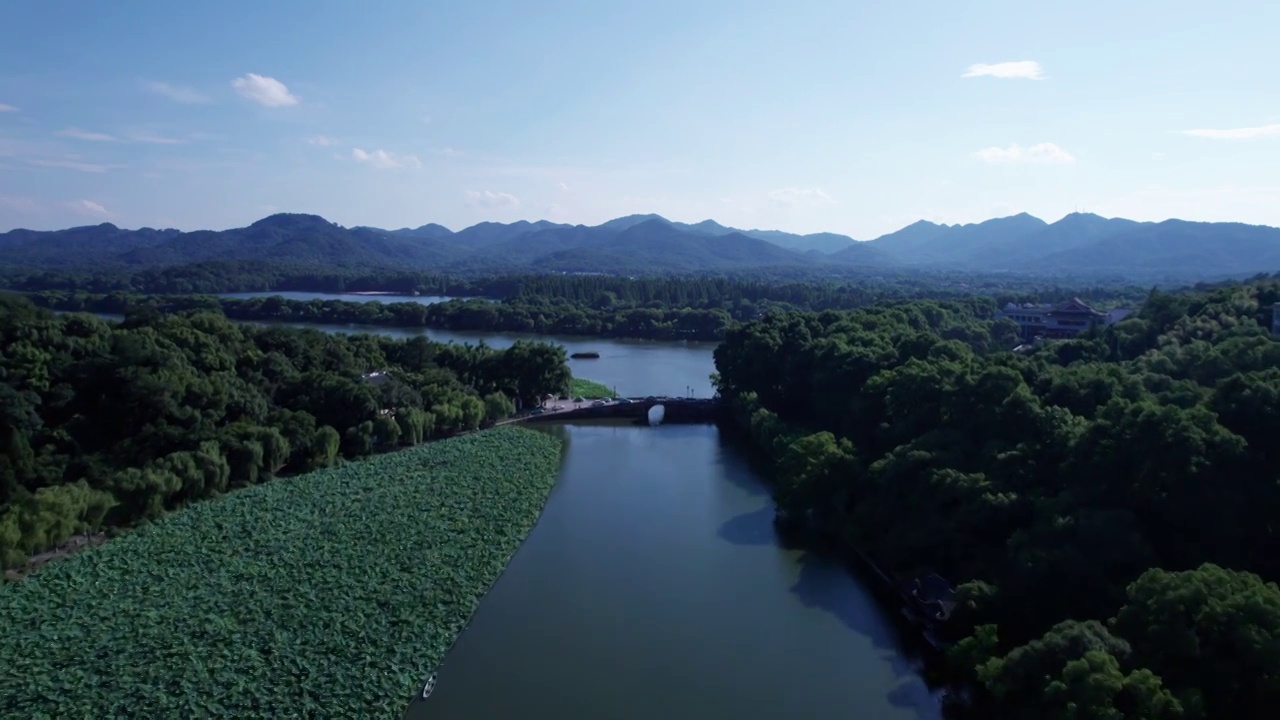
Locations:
(1078, 244)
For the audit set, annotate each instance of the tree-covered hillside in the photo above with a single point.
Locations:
(106, 425)
(1106, 505)
(811, 291)
(649, 308)
(1078, 245)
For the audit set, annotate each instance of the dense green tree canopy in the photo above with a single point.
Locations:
(108, 424)
(1105, 505)
(694, 307)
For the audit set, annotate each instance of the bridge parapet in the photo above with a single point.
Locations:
(676, 410)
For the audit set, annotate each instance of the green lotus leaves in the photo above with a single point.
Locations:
(328, 595)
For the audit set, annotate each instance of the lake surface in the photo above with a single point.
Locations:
(345, 297)
(631, 367)
(653, 587)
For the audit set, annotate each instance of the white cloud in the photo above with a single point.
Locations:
(447, 152)
(74, 165)
(562, 186)
(265, 91)
(7, 108)
(556, 212)
(89, 207)
(1041, 154)
(157, 140)
(492, 200)
(320, 141)
(1019, 69)
(384, 160)
(1249, 133)
(79, 134)
(184, 95)
(793, 197)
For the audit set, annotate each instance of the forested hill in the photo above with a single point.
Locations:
(803, 289)
(651, 309)
(1106, 506)
(104, 425)
(1078, 245)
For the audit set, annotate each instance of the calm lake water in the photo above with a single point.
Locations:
(631, 367)
(653, 587)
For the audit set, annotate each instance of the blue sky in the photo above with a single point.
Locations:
(852, 117)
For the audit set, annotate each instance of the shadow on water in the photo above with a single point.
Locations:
(827, 584)
(824, 584)
(753, 528)
(737, 449)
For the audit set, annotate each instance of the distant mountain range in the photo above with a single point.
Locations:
(1079, 245)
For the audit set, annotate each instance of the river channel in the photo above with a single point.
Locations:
(653, 585)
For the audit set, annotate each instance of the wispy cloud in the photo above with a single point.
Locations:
(89, 207)
(384, 160)
(79, 134)
(795, 197)
(137, 137)
(74, 165)
(178, 94)
(266, 91)
(1041, 154)
(447, 152)
(156, 139)
(1018, 69)
(320, 141)
(492, 200)
(7, 108)
(562, 186)
(19, 204)
(1249, 133)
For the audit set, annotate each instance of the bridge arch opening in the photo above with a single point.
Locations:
(656, 414)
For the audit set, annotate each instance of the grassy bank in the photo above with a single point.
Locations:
(327, 595)
(589, 388)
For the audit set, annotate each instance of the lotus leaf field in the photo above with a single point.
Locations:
(589, 388)
(327, 595)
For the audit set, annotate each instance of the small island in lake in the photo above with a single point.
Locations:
(589, 355)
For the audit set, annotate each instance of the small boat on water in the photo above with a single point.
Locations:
(430, 686)
(588, 355)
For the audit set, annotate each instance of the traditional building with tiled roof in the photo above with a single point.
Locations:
(1064, 320)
